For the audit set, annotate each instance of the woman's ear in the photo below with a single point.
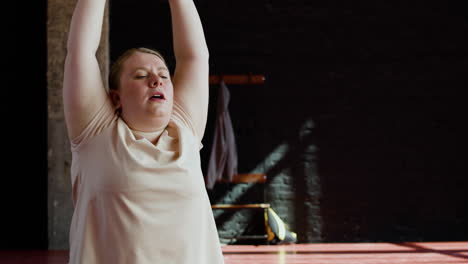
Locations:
(115, 97)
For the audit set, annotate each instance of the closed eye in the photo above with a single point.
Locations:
(141, 76)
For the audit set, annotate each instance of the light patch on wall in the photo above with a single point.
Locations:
(236, 192)
(242, 217)
(270, 161)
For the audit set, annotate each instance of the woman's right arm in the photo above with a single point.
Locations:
(83, 89)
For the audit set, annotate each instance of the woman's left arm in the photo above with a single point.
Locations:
(191, 77)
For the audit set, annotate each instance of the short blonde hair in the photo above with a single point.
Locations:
(116, 69)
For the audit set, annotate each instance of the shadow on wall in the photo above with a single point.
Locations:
(346, 180)
(292, 189)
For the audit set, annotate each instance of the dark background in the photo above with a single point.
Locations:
(23, 194)
(383, 82)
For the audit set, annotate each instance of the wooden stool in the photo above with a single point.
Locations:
(248, 178)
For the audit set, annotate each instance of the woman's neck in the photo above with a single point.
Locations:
(152, 136)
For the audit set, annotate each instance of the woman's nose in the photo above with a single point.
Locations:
(155, 82)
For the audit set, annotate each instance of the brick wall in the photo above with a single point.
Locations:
(359, 123)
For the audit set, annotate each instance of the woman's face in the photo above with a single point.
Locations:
(146, 93)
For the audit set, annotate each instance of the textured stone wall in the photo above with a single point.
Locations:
(60, 205)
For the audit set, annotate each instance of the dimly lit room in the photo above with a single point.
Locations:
(236, 132)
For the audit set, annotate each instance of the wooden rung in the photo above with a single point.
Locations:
(241, 206)
(238, 79)
(247, 178)
(248, 237)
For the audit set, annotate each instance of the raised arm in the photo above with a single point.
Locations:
(191, 73)
(83, 89)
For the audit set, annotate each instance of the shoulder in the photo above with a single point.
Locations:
(183, 120)
(103, 118)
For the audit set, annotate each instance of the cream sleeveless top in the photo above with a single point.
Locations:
(136, 202)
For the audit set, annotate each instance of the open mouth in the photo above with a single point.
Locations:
(158, 96)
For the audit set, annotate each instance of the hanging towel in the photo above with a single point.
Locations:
(223, 157)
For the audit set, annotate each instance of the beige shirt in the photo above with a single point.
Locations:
(138, 202)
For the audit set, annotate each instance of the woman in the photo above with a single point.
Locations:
(138, 188)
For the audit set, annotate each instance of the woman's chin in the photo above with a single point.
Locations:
(160, 113)
(153, 120)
